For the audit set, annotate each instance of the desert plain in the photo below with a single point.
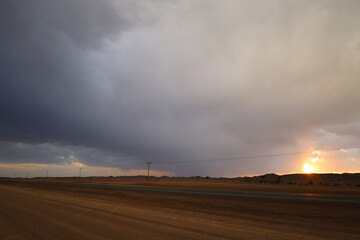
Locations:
(39, 209)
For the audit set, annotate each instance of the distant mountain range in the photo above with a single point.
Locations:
(325, 179)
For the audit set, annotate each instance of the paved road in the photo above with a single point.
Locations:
(302, 197)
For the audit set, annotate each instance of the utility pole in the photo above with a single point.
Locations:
(47, 173)
(80, 172)
(148, 175)
(27, 174)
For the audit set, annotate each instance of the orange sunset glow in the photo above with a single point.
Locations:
(313, 162)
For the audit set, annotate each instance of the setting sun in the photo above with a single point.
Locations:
(307, 168)
(311, 165)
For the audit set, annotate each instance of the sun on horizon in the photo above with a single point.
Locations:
(311, 165)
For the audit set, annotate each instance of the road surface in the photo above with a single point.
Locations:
(44, 211)
(300, 197)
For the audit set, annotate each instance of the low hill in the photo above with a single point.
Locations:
(325, 179)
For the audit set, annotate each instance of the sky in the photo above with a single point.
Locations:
(109, 85)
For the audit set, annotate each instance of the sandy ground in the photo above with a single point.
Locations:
(59, 212)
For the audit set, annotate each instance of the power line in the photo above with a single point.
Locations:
(190, 161)
(252, 157)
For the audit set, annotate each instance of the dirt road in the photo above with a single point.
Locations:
(64, 212)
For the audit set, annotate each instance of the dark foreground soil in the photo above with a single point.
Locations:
(33, 211)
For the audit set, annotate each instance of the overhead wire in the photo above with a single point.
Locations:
(199, 160)
(252, 157)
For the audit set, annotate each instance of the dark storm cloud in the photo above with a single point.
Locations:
(51, 153)
(28, 153)
(47, 88)
(114, 82)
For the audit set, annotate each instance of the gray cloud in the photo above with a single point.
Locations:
(176, 80)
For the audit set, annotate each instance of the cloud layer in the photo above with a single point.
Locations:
(134, 81)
